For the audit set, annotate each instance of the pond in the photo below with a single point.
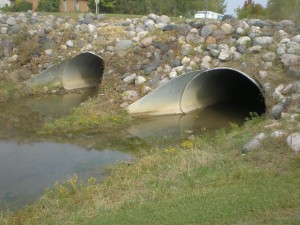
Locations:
(30, 163)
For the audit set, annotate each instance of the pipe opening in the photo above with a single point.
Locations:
(225, 86)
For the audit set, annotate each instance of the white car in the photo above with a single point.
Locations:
(208, 15)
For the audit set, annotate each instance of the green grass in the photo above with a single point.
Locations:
(206, 181)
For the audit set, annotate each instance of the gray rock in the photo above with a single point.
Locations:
(139, 80)
(296, 87)
(194, 38)
(123, 45)
(129, 79)
(227, 28)
(263, 41)
(207, 30)
(130, 95)
(164, 19)
(146, 42)
(70, 43)
(296, 38)
(293, 142)
(218, 34)
(269, 57)
(277, 110)
(290, 60)
(255, 49)
(150, 68)
(294, 71)
(253, 144)
(261, 23)
(11, 21)
(244, 40)
(263, 74)
(278, 134)
(225, 55)
(186, 49)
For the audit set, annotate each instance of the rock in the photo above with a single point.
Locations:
(251, 145)
(123, 45)
(11, 21)
(185, 61)
(172, 74)
(164, 19)
(130, 95)
(290, 60)
(207, 30)
(244, 40)
(277, 110)
(263, 41)
(129, 79)
(91, 28)
(254, 143)
(278, 134)
(296, 87)
(69, 43)
(186, 49)
(146, 42)
(227, 28)
(48, 51)
(255, 49)
(210, 40)
(139, 80)
(263, 74)
(269, 57)
(293, 141)
(296, 38)
(225, 55)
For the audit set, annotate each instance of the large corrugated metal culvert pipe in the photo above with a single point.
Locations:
(200, 89)
(83, 71)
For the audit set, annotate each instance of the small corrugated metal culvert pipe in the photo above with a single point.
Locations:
(200, 89)
(83, 71)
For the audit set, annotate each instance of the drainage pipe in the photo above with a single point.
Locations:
(83, 71)
(198, 90)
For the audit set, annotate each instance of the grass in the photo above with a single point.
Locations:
(98, 113)
(206, 181)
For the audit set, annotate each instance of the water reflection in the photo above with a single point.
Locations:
(27, 169)
(182, 126)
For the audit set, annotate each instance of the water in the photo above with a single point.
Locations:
(30, 163)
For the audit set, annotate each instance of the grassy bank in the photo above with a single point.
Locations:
(206, 181)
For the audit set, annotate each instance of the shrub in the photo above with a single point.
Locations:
(48, 6)
(20, 6)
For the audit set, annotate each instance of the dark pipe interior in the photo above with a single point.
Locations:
(220, 86)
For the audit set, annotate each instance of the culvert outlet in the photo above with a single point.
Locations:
(200, 89)
(83, 71)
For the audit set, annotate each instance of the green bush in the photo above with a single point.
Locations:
(20, 6)
(48, 6)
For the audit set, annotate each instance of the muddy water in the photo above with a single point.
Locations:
(31, 163)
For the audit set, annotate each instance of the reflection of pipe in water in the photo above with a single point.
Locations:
(83, 71)
(199, 90)
(212, 118)
(56, 106)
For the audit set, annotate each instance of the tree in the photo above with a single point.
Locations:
(104, 5)
(168, 7)
(288, 9)
(251, 10)
(48, 6)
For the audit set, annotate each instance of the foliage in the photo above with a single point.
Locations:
(103, 6)
(251, 10)
(20, 6)
(48, 6)
(168, 7)
(288, 9)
